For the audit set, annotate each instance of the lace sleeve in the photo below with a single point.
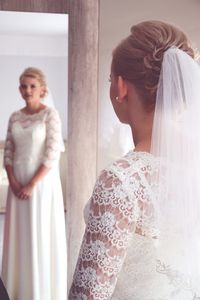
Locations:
(53, 138)
(9, 146)
(109, 228)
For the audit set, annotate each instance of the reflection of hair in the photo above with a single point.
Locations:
(37, 74)
(138, 58)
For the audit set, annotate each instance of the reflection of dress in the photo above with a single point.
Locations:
(34, 255)
(118, 259)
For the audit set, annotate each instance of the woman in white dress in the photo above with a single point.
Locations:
(142, 231)
(34, 252)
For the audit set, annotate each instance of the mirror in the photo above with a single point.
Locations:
(39, 40)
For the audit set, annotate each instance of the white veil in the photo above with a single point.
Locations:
(176, 144)
(49, 101)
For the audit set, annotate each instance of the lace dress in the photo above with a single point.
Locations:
(34, 253)
(118, 259)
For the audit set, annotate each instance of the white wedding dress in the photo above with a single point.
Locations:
(34, 253)
(118, 258)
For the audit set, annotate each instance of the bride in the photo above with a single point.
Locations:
(142, 231)
(34, 252)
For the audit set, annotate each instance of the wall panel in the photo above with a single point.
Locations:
(82, 107)
(50, 6)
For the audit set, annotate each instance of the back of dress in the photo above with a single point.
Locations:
(118, 258)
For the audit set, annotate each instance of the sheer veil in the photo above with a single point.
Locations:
(49, 101)
(176, 146)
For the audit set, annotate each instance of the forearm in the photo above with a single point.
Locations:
(10, 174)
(14, 184)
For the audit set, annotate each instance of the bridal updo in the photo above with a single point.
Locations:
(138, 58)
(37, 74)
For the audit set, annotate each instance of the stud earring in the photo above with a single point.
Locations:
(117, 98)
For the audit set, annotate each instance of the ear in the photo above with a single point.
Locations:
(42, 94)
(122, 89)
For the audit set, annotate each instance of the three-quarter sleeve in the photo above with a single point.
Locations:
(109, 228)
(9, 145)
(53, 139)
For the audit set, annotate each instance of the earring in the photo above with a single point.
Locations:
(117, 98)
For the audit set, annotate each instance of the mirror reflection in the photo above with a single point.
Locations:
(36, 138)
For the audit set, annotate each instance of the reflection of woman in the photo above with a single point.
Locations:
(34, 253)
(142, 234)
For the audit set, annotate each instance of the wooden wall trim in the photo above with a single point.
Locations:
(82, 119)
(44, 6)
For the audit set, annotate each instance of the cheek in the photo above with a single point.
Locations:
(37, 93)
(21, 92)
(112, 98)
(112, 92)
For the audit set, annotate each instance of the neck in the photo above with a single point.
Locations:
(140, 119)
(141, 134)
(143, 146)
(33, 107)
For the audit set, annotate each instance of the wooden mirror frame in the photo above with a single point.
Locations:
(82, 105)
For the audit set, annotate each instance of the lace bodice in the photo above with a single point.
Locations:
(117, 259)
(33, 138)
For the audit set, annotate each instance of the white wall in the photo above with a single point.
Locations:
(24, 44)
(116, 18)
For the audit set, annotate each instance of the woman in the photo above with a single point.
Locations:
(142, 222)
(34, 252)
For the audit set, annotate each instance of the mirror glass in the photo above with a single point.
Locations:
(39, 40)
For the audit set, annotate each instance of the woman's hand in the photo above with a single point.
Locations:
(15, 186)
(25, 192)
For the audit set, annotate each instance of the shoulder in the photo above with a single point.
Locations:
(51, 112)
(134, 162)
(117, 186)
(127, 173)
(133, 174)
(123, 186)
(15, 116)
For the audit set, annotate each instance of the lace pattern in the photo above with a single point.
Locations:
(9, 145)
(117, 259)
(53, 138)
(48, 117)
(178, 280)
(120, 205)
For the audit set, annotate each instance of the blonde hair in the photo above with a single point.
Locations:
(138, 58)
(37, 74)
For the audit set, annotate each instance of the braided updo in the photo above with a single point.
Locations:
(138, 58)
